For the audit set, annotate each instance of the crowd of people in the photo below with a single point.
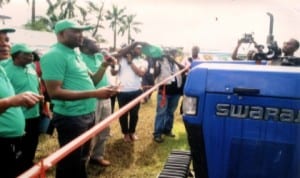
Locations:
(73, 80)
(288, 49)
(81, 81)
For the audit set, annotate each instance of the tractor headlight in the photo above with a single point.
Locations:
(189, 106)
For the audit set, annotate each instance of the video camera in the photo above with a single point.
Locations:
(274, 51)
(107, 56)
(247, 38)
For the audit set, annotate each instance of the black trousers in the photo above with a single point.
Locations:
(112, 102)
(128, 125)
(30, 142)
(10, 154)
(68, 128)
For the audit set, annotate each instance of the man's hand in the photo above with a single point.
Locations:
(240, 41)
(110, 61)
(129, 58)
(26, 99)
(113, 61)
(106, 92)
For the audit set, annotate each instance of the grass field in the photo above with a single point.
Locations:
(141, 159)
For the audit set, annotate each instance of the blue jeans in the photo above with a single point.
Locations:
(165, 114)
(68, 128)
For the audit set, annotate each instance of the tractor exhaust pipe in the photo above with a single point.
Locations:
(270, 37)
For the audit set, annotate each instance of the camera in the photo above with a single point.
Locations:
(273, 53)
(107, 56)
(247, 38)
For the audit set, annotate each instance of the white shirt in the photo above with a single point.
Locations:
(188, 63)
(128, 79)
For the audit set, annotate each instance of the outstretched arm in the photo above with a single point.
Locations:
(56, 91)
(124, 51)
(235, 51)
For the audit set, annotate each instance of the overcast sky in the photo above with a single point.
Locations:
(211, 24)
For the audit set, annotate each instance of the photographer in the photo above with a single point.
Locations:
(290, 47)
(132, 67)
(168, 95)
(288, 50)
(248, 38)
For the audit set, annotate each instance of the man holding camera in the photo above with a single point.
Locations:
(168, 95)
(288, 49)
(132, 67)
(248, 38)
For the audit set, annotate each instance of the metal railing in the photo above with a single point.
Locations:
(39, 169)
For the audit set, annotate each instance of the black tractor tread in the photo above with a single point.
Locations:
(177, 165)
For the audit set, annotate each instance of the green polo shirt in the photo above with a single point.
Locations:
(93, 62)
(4, 62)
(24, 79)
(62, 63)
(12, 122)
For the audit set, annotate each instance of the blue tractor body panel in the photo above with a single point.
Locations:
(248, 118)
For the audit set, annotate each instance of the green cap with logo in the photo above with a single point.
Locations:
(153, 51)
(20, 47)
(67, 24)
(7, 30)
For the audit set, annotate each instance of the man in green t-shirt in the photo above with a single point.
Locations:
(23, 77)
(71, 87)
(12, 125)
(4, 45)
(94, 59)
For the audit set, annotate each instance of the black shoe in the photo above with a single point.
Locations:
(158, 139)
(170, 134)
(100, 162)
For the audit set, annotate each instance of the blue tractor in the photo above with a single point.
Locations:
(242, 120)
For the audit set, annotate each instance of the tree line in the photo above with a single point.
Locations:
(90, 13)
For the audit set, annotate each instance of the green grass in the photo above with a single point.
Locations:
(143, 158)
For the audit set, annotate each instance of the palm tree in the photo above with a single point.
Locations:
(92, 7)
(116, 17)
(97, 11)
(66, 9)
(32, 10)
(130, 24)
(2, 2)
(63, 9)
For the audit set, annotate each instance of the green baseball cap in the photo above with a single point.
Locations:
(20, 47)
(67, 24)
(152, 51)
(7, 30)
